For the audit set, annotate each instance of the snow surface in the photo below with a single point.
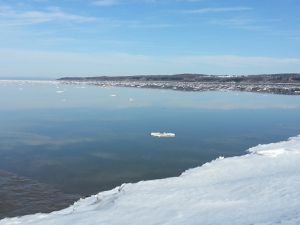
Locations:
(262, 187)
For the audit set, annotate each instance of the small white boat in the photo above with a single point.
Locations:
(162, 135)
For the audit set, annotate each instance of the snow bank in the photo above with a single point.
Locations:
(262, 187)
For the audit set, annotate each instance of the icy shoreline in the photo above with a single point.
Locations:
(271, 88)
(262, 187)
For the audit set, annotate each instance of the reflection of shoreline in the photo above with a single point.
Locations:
(22, 196)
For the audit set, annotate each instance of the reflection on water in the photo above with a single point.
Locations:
(21, 196)
(85, 140)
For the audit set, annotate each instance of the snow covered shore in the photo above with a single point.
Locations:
(262, 187)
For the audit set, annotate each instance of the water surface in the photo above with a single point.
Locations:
(82, 140)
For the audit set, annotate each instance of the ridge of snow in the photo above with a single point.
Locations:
(261, 187)
(275, 149)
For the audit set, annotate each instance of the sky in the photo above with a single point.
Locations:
(55, 38)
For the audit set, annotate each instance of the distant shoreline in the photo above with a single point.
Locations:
(286, 84)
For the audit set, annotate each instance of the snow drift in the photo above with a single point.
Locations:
(262, 187)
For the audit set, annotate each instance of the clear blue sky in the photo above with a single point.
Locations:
(53, 38)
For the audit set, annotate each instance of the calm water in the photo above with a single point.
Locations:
(83, 140)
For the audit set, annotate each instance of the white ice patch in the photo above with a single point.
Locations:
(276, 149)
(271, 153)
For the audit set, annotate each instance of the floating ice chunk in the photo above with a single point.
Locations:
(162, 135)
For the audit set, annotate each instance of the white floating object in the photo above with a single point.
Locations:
(113, 95)
(59, 92)
(162, 135)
